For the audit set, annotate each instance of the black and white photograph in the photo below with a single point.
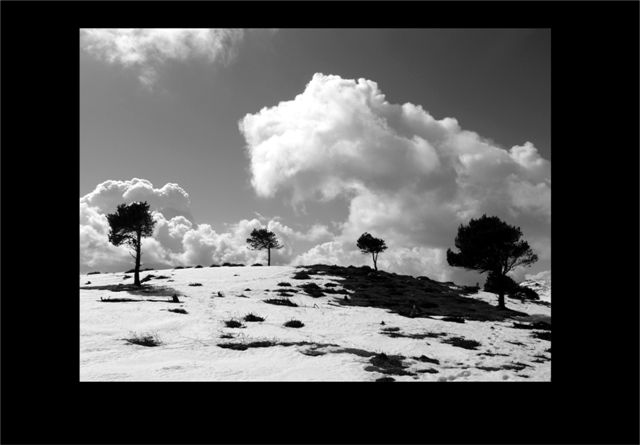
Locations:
(315, 205)
(319, 222)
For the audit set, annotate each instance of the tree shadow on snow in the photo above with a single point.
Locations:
(410, 296)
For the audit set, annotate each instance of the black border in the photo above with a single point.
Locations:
(593, 397)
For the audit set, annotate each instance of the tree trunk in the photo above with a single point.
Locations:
(268, 257)
(136, 273)
(375, 265)
(501, 300)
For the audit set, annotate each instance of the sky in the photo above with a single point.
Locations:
(318, 134)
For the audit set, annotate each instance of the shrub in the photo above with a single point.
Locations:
(195, 284)
(386, 379)
(301, 275)
(280, 302)
(542, 335)
(199, 266)
(294, 324)
(215, 265)
(178, 311)
(256, 264)
(93, 273)
(462, 342)
(144, 340)
(252, 317)
(233, 324)
(178, 267)
(284, 284)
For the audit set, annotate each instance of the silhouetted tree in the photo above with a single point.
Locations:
(488, 244)
(367, 243)
(128, 225)
(264, 239)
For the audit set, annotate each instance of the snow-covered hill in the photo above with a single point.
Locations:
(358, 325)
(541, 283)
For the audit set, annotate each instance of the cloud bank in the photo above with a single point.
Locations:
(408, 177)
(177, 239)
(147, 49)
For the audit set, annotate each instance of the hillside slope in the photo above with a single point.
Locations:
(359, 325)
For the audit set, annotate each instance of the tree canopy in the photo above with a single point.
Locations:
(367, 243)
(264, 239)
(128, 225)
(488, 244)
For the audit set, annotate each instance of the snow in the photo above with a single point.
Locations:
(343, 337)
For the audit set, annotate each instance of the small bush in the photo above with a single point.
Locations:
(178, 311)
(144, 340)
(294, 324)
(253, 317)
(386, 379)
(461, 342)
(233, 324)
(93, 273)
(125, 277)
(281, 302)
(195, 284)
(542, 335)
(256, 264)
(215, 265)
(199, 266)
(454, 319)
(178, 267)
(247, 290)
(284, 284)
(301, 275)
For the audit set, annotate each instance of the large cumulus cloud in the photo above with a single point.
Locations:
(177, 239)
(408, 176)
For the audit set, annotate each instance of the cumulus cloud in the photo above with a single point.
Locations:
(147, 49)
(409, 178)
(177, 239)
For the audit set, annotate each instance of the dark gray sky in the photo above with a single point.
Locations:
(182, 126)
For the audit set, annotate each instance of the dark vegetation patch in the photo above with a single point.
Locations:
(247, 290)
(391, 329)
(493, 354)
(393, 333)
(233, 264)
(489, 368)
(215, 265)
(88, 282)
(301, 275)
(280, 302)
(542, 335)
(195, 284)
(178, 267)
(118, 300)
(178, 311)
(227, 336)
(93, 273)
(462, 342)
(147, 290)
(284, 293)
(256, 264)
(252, 317)
(126, 277)
(435, 334)
(144, 340)
(330, 284)
(537, 325)
(517, 343)
(515, 366)
(406, 295)
(386, 379)
(453, 319)
(199, 266)
(313, 290)
(245, 346)
(388, 364)
(294, 324)
(233, 324)
(425, 359)
(284, 284)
